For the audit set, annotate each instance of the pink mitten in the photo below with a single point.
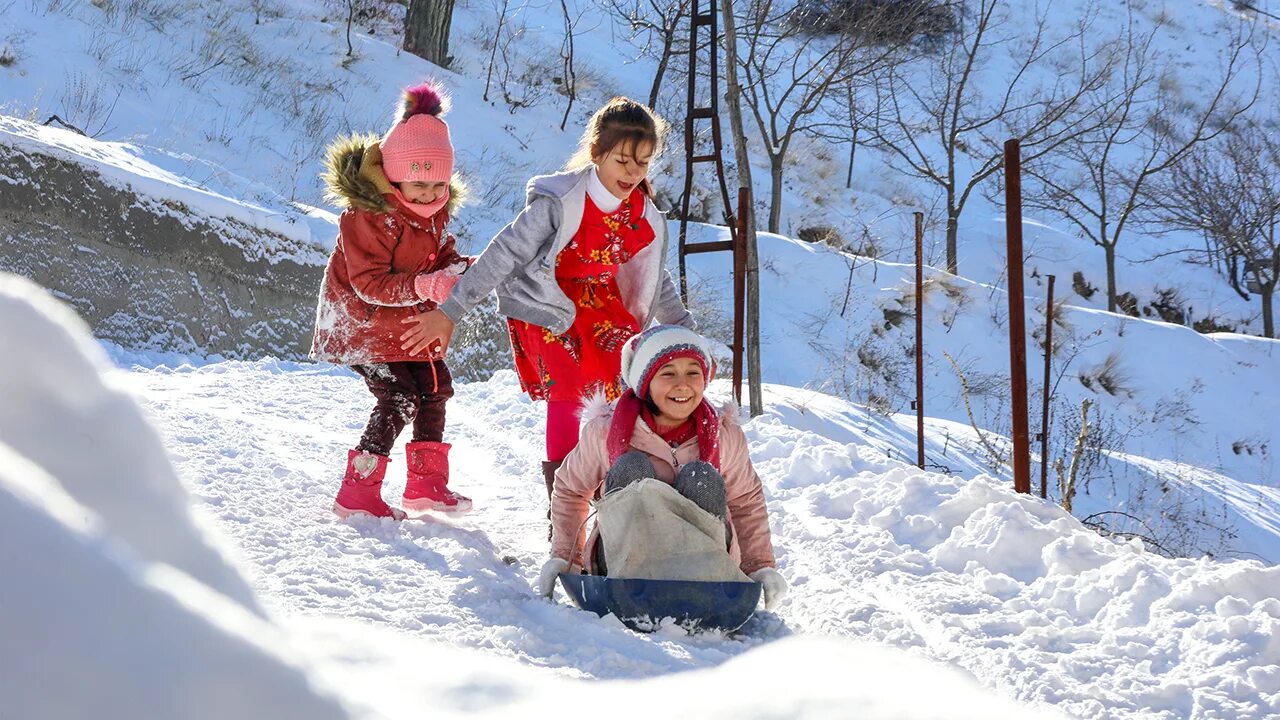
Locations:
(434, 286)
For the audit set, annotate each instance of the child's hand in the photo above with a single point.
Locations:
(429, 331)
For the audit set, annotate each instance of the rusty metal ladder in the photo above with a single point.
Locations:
(736, 243)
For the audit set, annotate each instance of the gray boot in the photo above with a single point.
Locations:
(631, 467)
(704, 485)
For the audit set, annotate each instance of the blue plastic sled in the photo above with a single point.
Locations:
(642, 604)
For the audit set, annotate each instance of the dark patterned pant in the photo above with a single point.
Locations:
(407, 392)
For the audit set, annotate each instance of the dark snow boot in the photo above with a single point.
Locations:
(632, 466)
(549, 468)
(704, 485)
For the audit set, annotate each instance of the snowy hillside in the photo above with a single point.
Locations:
(240, 97)
(1181, 420)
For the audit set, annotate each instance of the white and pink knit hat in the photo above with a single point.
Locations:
(646, 353)
(418, 148)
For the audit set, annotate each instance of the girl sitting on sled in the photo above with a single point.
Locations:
(680, 499)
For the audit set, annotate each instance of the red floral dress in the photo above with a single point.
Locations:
(586, 358)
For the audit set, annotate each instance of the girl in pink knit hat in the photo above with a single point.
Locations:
(394, 259)
(577, 273)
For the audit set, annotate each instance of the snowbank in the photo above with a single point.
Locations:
(797, 677)
(1014, 589)
(114, 604)
(93, 438)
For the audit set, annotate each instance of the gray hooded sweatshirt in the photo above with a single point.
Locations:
(520, 263)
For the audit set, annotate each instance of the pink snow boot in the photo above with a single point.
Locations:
(361, 491)
(428, 480)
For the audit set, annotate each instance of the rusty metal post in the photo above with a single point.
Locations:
(1017, 317)
(1044, 413)
(739, 292)
(920, 340)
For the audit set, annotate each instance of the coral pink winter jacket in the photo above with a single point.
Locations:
(368, 286)
(584, 470)
(382, 246)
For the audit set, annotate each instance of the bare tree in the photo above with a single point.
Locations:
(356, 10)
(1097, 180)
(1230, 193)
(522, 79)
(659, 21)
(788, 73)
(856, 118)
(493, 51)
(426, 30)
(568, 79)
(949, 124)
(847, 118)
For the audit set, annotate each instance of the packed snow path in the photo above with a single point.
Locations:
(1012, 590)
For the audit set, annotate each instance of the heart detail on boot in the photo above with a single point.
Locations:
(361, 490)
(364, 464)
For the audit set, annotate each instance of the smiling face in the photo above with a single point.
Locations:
(676, 389)
(423, 193)
(624, 167)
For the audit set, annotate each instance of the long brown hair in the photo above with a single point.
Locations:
(622, 121)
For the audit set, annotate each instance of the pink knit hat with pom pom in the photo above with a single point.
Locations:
(417, 148)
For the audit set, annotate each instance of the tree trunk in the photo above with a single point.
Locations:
(351, 16)
(493, 53)
(733, 101)
(1268, 318)
(1110, 251)
(853, 153)
(654, 89)
(953, 229)
(775, 193)
(426, 30)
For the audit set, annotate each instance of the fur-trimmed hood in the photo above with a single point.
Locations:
(354, 179)
(596, 406)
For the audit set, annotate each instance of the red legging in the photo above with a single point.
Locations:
(562, 428)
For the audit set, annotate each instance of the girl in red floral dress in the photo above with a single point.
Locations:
(584, 360)
(580, 271)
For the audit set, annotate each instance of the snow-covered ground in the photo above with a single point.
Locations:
(896, 572)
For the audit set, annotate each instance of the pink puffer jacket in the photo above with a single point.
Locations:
(584, 470)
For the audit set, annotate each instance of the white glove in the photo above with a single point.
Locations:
(775, 586)
(547, 578)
